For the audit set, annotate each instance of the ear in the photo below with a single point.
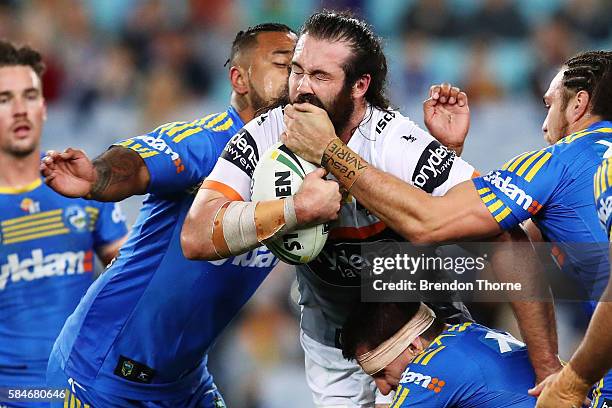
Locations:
(238, 79)
(418, 345)
(579, 106)
(361, 86)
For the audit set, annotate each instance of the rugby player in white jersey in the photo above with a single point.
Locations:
(339, 65)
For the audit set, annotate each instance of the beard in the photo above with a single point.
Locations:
(339, 110)
(19, 151)
(261, 106)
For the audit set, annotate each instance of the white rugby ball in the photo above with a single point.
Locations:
(280, 173)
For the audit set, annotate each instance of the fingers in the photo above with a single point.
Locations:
(306, 107)
(537, 390)
(446, 93)
(319, 172)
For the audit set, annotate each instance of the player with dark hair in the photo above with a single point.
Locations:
(339, 65)
(47, 241)
(405, 348)
(140, 336)
(552, 186)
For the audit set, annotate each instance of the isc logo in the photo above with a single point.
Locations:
(42, 266)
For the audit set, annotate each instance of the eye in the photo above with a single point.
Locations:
(321, 77)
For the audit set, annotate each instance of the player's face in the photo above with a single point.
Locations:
(556, 124)
(22, 110)
(269, 67)
(388, 378)
(317, 77)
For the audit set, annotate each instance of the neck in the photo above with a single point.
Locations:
(354, 121)
(19, 171)
(243, 107)
(584, 122)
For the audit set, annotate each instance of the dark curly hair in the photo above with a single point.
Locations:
(11, 55)
(368, 56)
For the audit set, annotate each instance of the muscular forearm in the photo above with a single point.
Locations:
(416, 215)
(593, 359)
(514, 260)
(119, 173)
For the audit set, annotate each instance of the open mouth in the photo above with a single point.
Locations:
(22, 130)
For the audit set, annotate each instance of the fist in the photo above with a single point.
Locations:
(318, 200)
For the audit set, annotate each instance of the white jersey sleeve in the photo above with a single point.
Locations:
(234, 170)
(412, 154)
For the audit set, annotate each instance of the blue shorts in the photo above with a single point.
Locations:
(205, 396)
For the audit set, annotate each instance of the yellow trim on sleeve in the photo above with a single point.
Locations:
(503, 214)
(495, 206)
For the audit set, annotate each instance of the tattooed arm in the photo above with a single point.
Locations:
(116, 174)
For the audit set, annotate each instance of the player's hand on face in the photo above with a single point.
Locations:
(556, 393)
(447, 115)
(318, 200)
(70, 173)
(308, 131)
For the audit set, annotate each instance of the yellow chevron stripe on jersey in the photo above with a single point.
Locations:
(608, 173)
(224, 126)
(438, 340)
(402, 398)
(186, 134)
(519, 160)
(26, 231)
(36, 236)
(495, 206)
(163, 128)
(597, 393)
(216, 120)
(30, 217)
(398, 391)
(603, 177)
(30, 224)
(174, 130)
(578, 135)
(431, 355)
(138, 148)
(528, 162)
(205, 118)
(503, 214)
(464, 326)
(484, 190)
(536, 167)
(489, 197)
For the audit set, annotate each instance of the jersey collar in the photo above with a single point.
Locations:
(235, 116)
(21, 189)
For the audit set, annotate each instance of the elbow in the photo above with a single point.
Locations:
(194, 249)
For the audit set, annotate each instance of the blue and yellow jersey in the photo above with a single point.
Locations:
(468, 365)
(46, 265)
(602, 183)
(144, 328)
(554, 187)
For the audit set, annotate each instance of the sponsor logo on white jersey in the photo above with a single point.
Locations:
(40, 266)
(257, 258)
(241, 150)
(433, 167)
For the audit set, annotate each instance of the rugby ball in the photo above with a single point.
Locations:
(280, 173)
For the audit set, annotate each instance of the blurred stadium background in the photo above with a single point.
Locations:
(117, 68)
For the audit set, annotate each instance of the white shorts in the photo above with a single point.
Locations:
(336, 382)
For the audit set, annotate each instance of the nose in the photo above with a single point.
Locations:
(383, 386)
(19, 107)
(545, 125)
(304, 85)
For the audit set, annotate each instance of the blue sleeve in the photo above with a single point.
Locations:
(435, 378)
(178, 156)
(108, 222)
(521, 187)
(602, 184)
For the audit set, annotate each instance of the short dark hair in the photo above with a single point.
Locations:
(11, 55)
(590, 71)
(368, 56)
(247, 38)
(370, 324)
